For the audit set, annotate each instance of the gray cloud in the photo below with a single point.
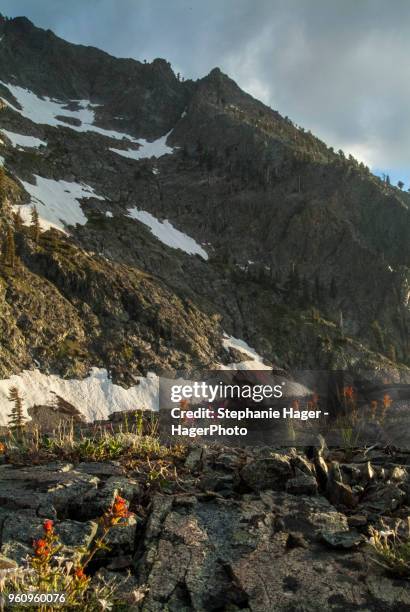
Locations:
(337, 68)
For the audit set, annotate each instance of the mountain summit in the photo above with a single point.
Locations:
(172, 215)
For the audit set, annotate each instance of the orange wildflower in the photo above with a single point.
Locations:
(80, 574)
(48, 526)
(348, 392)
(119, 510)
(387, 401)
(41, 548)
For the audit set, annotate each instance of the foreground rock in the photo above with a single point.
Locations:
(70, 496)
(204, 553)
(241, 529)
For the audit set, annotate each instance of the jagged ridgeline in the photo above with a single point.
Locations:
(144, 215)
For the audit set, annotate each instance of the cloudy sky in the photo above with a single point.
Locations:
(338, 67)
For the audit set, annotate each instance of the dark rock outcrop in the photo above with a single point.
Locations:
(280, 547)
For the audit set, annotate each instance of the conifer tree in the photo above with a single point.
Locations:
(35, 225)
(16, 418)
(18, 220)
(9, 251)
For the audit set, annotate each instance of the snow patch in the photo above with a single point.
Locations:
(256, 361)
(96, 396)
(57, 202)
(157, 148)
(20, 140)
(109, 214)
(45, 111)
(167, 233)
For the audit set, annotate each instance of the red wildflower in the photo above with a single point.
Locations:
(387, 401)
(79, 573)
(348, 392)
(120, 508)
(48, 526)
(41, 548)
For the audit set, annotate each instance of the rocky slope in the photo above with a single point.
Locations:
(291, 246)
(258, 530)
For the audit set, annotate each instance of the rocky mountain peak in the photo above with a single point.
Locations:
(190, 209)
(22, 24)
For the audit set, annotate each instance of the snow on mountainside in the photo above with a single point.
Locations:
(95, 396)
(157, 148)
(163, 191)
(57, 202)
(45, 111)
(168, 234)
(21, 140)
(254, 363)
(49, 112)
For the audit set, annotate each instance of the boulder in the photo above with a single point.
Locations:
(267, 473)
(302, 485)
(56, 486)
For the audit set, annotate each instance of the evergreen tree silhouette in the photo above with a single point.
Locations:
(9, 253)
(16, 418)
(35, 225)
(18, 220)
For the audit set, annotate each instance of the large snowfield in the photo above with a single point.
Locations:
(45, 111)
(57, 202)
(167, 233)
(95, 396)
